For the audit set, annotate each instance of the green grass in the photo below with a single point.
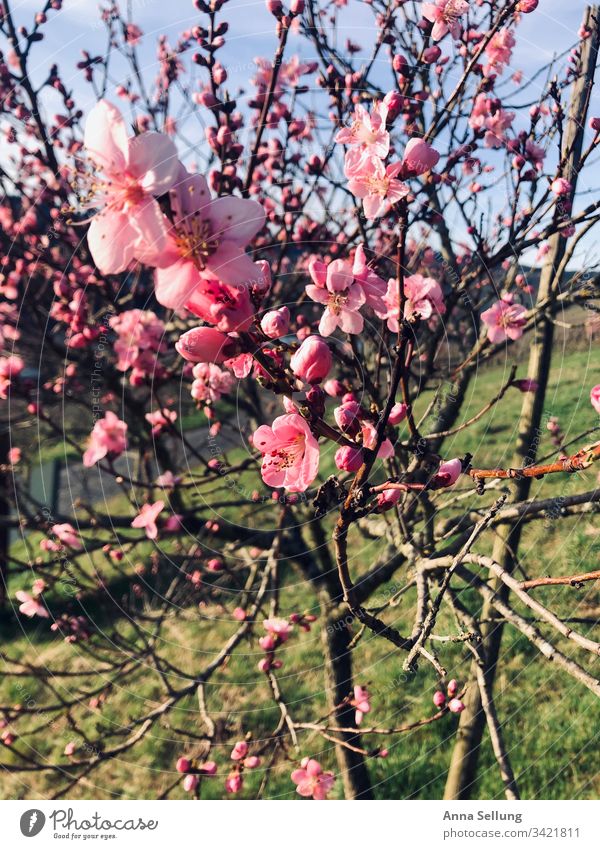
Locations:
(550, 722)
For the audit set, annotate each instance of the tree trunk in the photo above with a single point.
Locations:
(463, 766)
(338, 669)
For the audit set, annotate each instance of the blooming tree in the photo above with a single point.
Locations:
(252, 322)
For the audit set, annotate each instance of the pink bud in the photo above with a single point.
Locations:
(190, 782)
(398, 413)
(431, 54)
(595, 398)
(595, 124)
(239, 613)
(313, 360)
(275, 7)
(215, 564)
(240, 750)
(183, 765)
(447, 474)
(560, 186)
(526, 385)
(233, 782)
(334, 388)
(439, 699)
(297, 7)
(206, 345)
(208, 768)
(252, 762)
(348, 459)
(455, 706)
(452, 687)
(419, 157)
(275, 323)
(527, 6)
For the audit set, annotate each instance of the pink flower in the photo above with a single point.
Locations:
(290, 453)
(206, 345)
(361, 703)
(368, 131)
(207, 239)
(146, 518)
(160, 419)
(504, 320)
(109, 436)
(133, 171)
(376, 185)
(30, 606)
(70, 748)
(313, 360)
(369, 434)
(310, 780)
(595, 398)
(14, 456)
(424, 298)
(372, 285)
(499, 50)
(419, 157)
(444, 15)
(342, 297)
(280, 628)
(210, 382)
(10, 367)
(447, 474)
(239, 751)
(560, 186)
(67, 535)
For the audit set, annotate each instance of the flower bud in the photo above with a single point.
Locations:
(206, 345)
(275, 323)
(313, 360)
(348, 459)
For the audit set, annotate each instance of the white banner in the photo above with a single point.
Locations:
(290, 824)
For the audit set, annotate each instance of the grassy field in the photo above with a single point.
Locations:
(549, 721)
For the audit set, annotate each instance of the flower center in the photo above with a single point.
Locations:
(195, 241)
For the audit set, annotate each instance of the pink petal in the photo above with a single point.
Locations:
(175, 284)
(105, 137)
(236, 219)
(153, 160)
(111, 240)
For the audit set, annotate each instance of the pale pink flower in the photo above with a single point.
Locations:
(207, 239)
(131, 172)
(10, 367)
(109, 436)
(310, 780)
(290, 453)
(595, 398)
(160, 419)
(368, 130)
(30, 606)
(373, 286)
(334, 287)
(376, 185)
(280, 628)
(444, 15)
(361, 703)
(499, 50)
(560, 186)
(504, 320)
(147, 517)
(424, 298)
(210, 382)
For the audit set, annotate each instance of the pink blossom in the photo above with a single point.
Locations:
(210, 382)
(67, 535)
(160, 419)
(376, 185)
(452, 687)
(444, 15)
(10, 367)
(313, 360)
(423, 295)
(595, 398)
(70, 748)
(560, 186)
(133, 171)
(499, 50)
(369, 434)
(456, 706)
(504, 320)
(207, 239)
(183, 765)
(30, 606)
(108, 437)
(234, 782)
(335, 288)
(146, 518)
(373, 286)
(368, 130)
(280, 628)
(290, 453)
(310, 780)
(14, 456)
(228, 308)
(361, 703)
